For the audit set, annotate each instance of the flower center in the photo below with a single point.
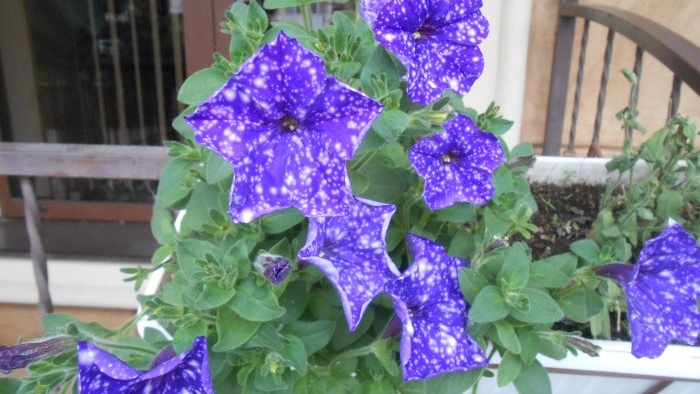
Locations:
(446, 158)
(289, 123)
(422, 32)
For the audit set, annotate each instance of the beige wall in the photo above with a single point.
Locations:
(681, 16)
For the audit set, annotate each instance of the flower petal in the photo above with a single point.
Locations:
(351, 252)
(290, 170)
(340, 118)
(101, 372)
(457, 165)
(430, 304)
(662, 295)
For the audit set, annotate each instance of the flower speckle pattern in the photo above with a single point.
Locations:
(100, 372)
(434, 312)
(287, 128)
(437, 41)
(457, 165)
(663, 291)
(351, 252)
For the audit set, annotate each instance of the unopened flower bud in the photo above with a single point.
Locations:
(20, 355)
(274, 267)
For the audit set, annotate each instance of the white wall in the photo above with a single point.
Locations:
(505, 55)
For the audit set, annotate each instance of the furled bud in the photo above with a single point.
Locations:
(274, 267)
(20, 355)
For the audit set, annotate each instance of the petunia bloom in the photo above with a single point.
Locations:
(351, 252)
(434, 313)
(662, 291)
(287, 128)
(369, 9)
(457, 165)
(101, 372)
(437, 41)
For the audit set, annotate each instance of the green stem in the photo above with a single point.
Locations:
(359, 352)
(131, 323)
(306, 14)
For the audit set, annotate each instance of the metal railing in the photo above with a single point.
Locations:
(27, 160)
(679, 55)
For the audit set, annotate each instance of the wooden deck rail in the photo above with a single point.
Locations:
(679, 55)
(70, 161)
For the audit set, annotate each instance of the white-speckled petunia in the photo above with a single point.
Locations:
(369, 9)
(662, 291)
(287, 128)
(351, 252)
(434, 313)
(437, 41)
(100, 372)
(457, 165)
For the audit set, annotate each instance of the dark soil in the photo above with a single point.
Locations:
(565, 215)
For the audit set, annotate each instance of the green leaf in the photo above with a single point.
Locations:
(457, 213)
(9, 385)
(257, 17)
(171, 187)
(295, 353)
(279, 222)
(216, 169)
(314, 334)
(212, 296)
(546, 274)
(515, 270)
(454, 382)
(510, 368)
(385, 184)
(380, 62)
(359, 182)
(508, 337)
(533, 379)
(59, 323)
(580, 304)
(294, 300)
(586, 249)
(488, 306)
(669, 204)
(233, 330)
(390, 124)
(184, 336)
(471, 282)
(255, 303)
(189, 251)
(201, 85)
(539, 308)
(162, 225)
(274, 4)
(529, 345)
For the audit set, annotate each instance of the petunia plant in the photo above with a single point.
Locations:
(334, 219)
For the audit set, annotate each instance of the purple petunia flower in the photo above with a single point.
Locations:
(662, 291)
(434, 312)
(287, 128)
(457, 165)
(437, 41)
(369, 9)
(351, 251)
(101, 372)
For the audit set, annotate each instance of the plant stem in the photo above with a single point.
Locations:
(306, 14)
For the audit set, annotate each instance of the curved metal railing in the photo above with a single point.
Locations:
(679, 55)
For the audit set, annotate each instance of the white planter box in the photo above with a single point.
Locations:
(615, 370)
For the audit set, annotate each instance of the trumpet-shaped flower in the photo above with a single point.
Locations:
(457, 165)
(287, 128)
(101, 372)
(351, 252)
(434, 312)
(662, 291)
(437, 41)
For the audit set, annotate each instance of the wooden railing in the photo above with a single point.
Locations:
(27, 160)
(679, 55)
